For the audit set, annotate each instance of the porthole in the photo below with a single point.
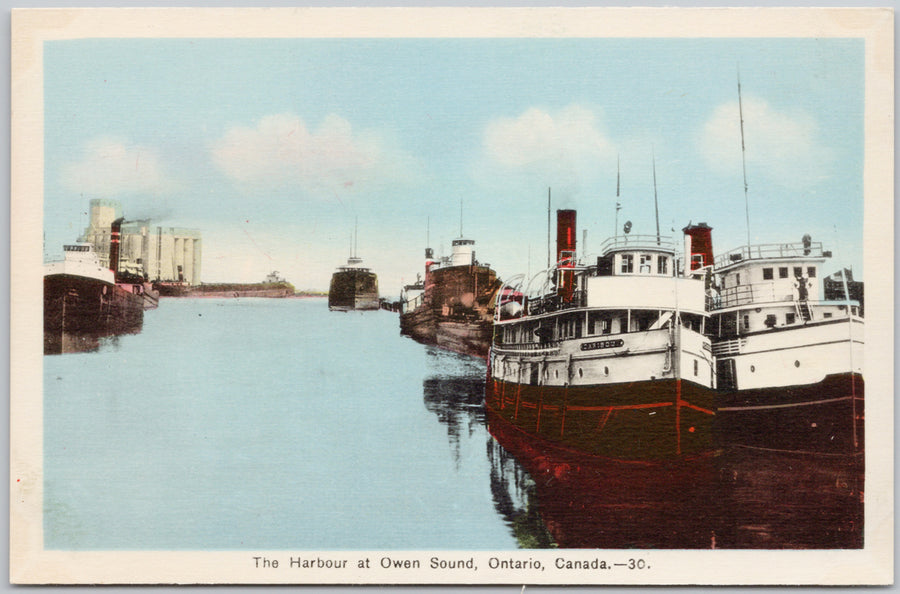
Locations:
(606, 371)
(752, 368)
(796, 363)
(580, 372)
(556, 374)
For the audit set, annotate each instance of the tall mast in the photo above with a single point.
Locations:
(655, 200)
(743, 158)
(618, 204)
(548, 228)
(460, 216)
(355, 235)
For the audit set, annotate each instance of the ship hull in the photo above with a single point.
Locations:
(353, 290)
(457, 314)
(643, 421)
(824, 417)
(81, 309)
(465, 338)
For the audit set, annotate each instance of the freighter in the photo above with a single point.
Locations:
(83, 300)
(789, 364)
(607, 359)
(353, 286)
(454, 307)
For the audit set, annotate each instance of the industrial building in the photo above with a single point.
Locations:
(156, 253)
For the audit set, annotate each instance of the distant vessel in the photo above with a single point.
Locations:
(453, 307)
(82, 300)
(606, 359)
(353, 286)
(789, 363)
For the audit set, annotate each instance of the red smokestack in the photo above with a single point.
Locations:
(114, 245)
(565, 252)
(701, 253)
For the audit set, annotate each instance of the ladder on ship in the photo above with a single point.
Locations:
(804, 310)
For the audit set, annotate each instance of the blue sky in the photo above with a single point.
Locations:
(273, 147)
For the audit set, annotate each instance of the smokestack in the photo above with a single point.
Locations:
(698, 247)
(114, 239)
(565, 253)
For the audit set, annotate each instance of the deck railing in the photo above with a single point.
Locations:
(637, 242)
(811, 249)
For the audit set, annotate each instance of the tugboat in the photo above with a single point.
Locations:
(606, 360)
(353, 286)
(454, 307)
(789, 363)
(83, 301)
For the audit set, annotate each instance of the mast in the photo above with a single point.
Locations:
(355, 235)
(548, 228)
(743, 158)
(655, 201)
(460, 217)
(618, 204)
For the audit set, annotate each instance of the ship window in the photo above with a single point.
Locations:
(645, 263)
(696, 367)
(746, 322)
(827, 314)
(606, 371)
(627, 264)
(798, 271)
(811, 272)
(737, 279)
(783, 272)
(768, 274)
(662, 265)
(580, 372)
(790, 318)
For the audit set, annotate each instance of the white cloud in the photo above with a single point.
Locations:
(567, 148)
(780, 147)
(281, 150)
(111, 167)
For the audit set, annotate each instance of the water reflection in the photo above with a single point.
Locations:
(742, 499)
(453, 389)
(57, 343)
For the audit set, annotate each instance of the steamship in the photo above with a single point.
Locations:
(607, 359)
(453, 308)
(84, 301)
(789, 363)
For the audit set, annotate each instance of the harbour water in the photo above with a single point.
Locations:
(233, 424)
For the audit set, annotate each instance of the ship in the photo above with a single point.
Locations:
(84, 301)
(453, 308)
(353, 286)
(789, 361)
(606, 359)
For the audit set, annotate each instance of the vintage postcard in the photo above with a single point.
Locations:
(573, 296)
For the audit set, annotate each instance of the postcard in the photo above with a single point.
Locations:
(518, 296)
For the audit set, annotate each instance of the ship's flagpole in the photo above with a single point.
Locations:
(743, 157)
(548, 228)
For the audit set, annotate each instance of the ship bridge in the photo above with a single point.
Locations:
(637, 254)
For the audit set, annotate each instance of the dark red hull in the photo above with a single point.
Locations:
(644, 422)
(827, 417)
(80, 310)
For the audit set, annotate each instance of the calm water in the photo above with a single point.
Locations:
(276, 424)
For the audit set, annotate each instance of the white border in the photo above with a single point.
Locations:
(29, 563)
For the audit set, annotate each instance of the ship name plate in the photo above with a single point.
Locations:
(602, 344)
